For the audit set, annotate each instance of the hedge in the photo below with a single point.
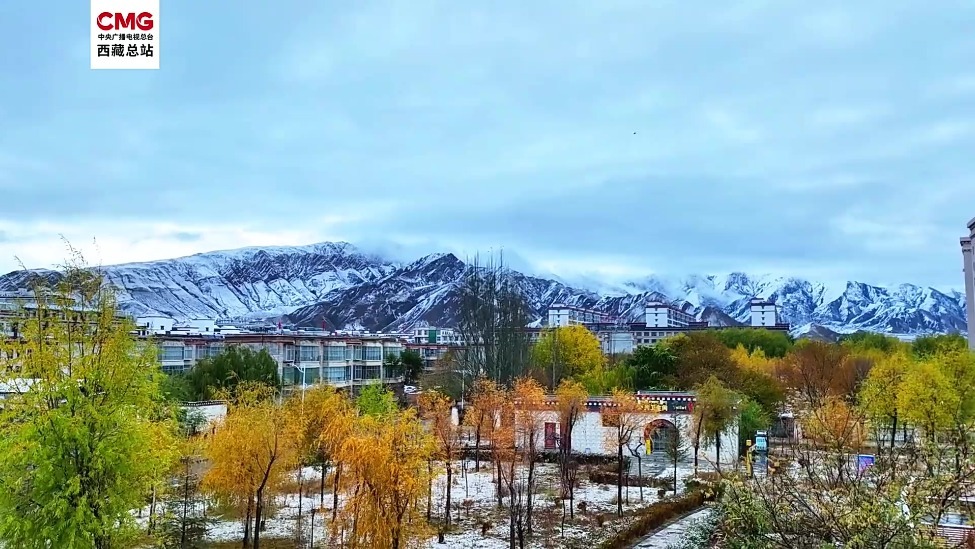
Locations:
(654, 517)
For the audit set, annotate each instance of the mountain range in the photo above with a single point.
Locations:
(341, 287)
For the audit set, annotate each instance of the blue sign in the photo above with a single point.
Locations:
(761, 443)
(864, 461)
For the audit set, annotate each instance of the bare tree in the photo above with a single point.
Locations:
(493, 317)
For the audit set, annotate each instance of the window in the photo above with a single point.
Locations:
(393, 351)
(374, 353)
(309, 353)
(367, 372)
(337, 373)
(188, 353)
(336, 353)
(170, 353)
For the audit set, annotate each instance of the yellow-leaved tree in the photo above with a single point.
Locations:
(436, 410)
(530, 412)
(386, 459)
(250, 453)
(571, 399)
(623, 414)
(567, 351)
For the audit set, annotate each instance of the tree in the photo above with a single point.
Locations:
(817, 370)
(436, 409)
(675, 446)
(480, 413)
(622, 414)
(879, 395)
(567, 351)
(714, 412)
(387, 460)
(249, 453)
(408, 364)
(88, 436)
(493, 316)
(530, 426)
(571, 399)
(871, 341)
(928, 346)
(222, 373)
(701, 355)
(773, 344)
(654, 367)
(751, 418)
(376, 400)
(185, 526)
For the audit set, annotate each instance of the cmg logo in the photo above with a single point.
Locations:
(108, 21)
(124, 34)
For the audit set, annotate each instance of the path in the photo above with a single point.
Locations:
(670, 534)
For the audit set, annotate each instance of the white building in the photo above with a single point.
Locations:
(662, 315)
(154, 325)
(566, 315)
(436, 336)
(969, 269)
(763, 313)
(665, 411)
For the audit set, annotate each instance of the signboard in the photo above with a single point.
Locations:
(761, 441)
(678, 406)
(864, 461)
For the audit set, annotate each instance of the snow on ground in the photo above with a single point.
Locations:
(476, 497)
(474, 504)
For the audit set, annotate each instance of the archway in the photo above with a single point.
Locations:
(656, 435)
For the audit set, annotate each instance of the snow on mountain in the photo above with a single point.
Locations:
(337, 285)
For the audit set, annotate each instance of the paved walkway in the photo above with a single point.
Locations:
(671, 534)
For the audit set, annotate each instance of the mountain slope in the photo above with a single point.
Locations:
(339, 286)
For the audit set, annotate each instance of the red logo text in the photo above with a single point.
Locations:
(115, 21)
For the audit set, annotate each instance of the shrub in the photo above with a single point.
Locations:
(654, 517)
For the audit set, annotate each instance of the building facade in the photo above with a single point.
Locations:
(302, 358)
(663, 412)
(969, 269)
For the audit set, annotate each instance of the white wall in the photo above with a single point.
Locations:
(764, 315)
(590, 436)
(155, 324)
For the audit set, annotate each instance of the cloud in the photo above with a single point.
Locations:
(626, 138)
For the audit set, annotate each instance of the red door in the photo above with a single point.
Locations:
(550, 436)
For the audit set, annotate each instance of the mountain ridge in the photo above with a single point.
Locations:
(341, 286)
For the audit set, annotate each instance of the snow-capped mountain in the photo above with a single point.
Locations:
(340, 286)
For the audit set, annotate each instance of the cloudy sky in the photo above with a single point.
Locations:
(832, 140)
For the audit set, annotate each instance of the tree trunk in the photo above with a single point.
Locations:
(675, 474)
(258, 517)
(619, 480)
(497, 477)
(152, 511)
(321, 488)
(186, 497)
(429, 489)
(717, 451)
(893, 432)
(301, 493)
(449, 485)
(477, 448)
(335, 492)
(247, 522)
(639, 473)
(512, 535)
(696, 448)
(529, 500)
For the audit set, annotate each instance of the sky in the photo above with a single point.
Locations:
(614, 139)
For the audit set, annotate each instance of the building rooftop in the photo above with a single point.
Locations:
(971, 224)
